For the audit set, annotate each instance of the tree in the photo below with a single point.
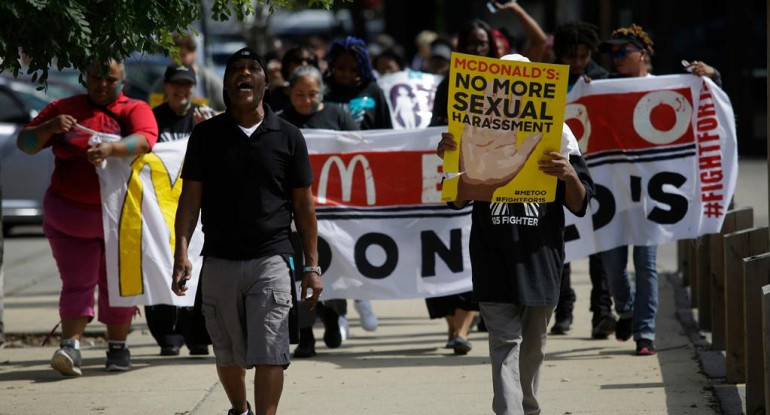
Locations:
(77, 32)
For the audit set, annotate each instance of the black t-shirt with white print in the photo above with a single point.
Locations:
(172, 127)
(517, 249)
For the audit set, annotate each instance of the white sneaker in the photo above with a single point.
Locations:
(344, 328)
(368, 318)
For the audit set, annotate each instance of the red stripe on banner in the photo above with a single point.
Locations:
(371, 179)
(633, 120)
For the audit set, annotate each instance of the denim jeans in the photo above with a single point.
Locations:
(640, 300)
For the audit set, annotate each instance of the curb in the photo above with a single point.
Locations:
(730, 399)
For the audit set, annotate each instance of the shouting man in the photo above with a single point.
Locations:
(247, 171)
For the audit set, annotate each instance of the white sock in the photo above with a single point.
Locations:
(76, 346)
(118, 343)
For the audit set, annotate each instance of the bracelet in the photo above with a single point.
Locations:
(317, 270)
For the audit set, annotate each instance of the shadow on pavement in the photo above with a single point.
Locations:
(415, 357)
(92, 367)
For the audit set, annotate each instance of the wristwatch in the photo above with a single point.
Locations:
(317, 270)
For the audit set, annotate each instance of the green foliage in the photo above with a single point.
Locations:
(78, 32)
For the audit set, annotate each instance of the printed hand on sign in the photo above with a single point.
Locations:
(490, 158)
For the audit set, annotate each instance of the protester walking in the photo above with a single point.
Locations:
(517, 291)
(575, 44)
(72, 208)
(172, 326)
(307, 110)
(637, 305)
(351, 83)
(459, 310)
(248, 174)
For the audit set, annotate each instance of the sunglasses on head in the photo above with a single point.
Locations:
(622, 53)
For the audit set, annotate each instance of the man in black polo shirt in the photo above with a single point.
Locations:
(247, 172)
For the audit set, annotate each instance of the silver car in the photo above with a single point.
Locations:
(24, 178)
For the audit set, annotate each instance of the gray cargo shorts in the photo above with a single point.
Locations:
(246, 305)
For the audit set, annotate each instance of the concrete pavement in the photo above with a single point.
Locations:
(399, 369)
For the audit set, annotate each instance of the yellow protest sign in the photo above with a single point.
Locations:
(503, 115)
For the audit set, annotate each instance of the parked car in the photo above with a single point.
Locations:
(24, 178)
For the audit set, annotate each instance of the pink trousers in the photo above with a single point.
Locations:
(77, 242)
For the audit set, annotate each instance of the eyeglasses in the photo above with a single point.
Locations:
(622, 53)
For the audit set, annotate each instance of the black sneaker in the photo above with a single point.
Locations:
(67, 360)
(602, 326)
(198, 349)
(624, 329)
(332, 335)
(169, 351)
(118, 357)
(645, 347)
(233, 411)
(306, 346)
(562, 325)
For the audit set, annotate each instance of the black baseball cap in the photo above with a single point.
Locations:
(622, 39)
(246, 53)
(179, 73)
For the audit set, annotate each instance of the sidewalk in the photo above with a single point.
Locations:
(399, 369)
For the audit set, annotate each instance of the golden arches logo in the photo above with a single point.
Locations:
(167, 191)
(346, 178)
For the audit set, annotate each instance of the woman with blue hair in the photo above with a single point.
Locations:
(350, 82)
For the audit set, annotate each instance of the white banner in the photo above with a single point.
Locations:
(410, 97)
(383, 231)
(663, 154)
(661, 150)
(139, 199)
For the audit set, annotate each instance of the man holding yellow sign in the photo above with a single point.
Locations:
(521, 166)
(502, 110)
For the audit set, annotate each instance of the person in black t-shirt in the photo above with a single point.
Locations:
(351, 83)
(172, 326)
(178, 115)
(307, 109)
(248, 174)
(517, 253)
